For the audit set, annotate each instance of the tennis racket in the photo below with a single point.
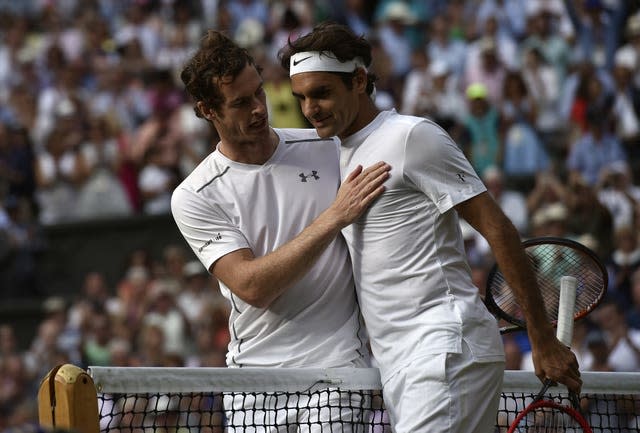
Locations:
(544, 414)
(551, 258)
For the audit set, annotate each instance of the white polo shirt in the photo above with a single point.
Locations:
(412, 277)
(223, 206)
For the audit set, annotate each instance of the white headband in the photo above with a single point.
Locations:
(321, 61)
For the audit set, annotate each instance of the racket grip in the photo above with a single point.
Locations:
(566, 306)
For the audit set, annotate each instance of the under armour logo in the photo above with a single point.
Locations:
(461, 177)
(304, 177)
(218, 237)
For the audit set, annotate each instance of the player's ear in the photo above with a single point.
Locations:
(207, 111)
(360, 80)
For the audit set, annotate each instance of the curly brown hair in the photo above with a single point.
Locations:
(218, 56)
(337, 39)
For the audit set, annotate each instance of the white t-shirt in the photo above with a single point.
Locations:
(223, 206)
(413, 281)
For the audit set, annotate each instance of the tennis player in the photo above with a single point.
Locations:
(438, 348)
(263, 213)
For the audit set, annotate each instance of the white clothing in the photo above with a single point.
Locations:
(461, 395)
(56, 201)
(174, 329)
(622, 356)
(413, 281)
(224, 206)
(154, 178)
(514, 205)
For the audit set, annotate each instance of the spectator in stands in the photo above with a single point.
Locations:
(548, 189)
(626, 105)
(509, 16)
(543, 82)
(484, 149)
(157, 180)
(172, 265)
(596, 148)
(397, 16)
(599, 351)
(164, 313)
(618, 194)
(587, 91)
(416, 100)
(623, 342)
(58, 171)
(597, 28)
(512, 202)
(96, 348)
(551, 220)
(486, 68)
(243, 9)
(588, 216)
(132, 297)
(443, 46)
(358, 16)
(624, 262)
(505, 46)
(149, 346)
(140, 29)
(101, 195)
(544, 35)
(198, 293)
(524, 153)
(284, 110)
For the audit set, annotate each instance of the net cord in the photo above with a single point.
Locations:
(216, 379)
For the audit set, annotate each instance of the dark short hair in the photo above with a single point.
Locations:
(218, 56)
(337, 39)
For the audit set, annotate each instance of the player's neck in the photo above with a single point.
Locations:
(368, 111)
(250, 152)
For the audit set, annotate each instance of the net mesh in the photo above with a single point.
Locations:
(310, 400)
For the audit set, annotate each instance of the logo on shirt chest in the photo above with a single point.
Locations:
(305, 177)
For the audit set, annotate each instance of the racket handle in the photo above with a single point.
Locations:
(564, 331)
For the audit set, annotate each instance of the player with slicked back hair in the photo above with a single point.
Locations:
(438, 348)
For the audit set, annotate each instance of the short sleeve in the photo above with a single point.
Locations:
(437, 166)
(204, 226)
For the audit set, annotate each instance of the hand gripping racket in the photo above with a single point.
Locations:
(544, 414)
(551, 259)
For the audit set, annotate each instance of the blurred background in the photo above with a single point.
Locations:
(96, 130)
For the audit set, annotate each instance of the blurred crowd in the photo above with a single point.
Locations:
(543, 96)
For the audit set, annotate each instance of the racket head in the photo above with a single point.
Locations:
(549, 416)
(551, 258)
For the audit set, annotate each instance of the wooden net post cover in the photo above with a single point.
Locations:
(67, 399)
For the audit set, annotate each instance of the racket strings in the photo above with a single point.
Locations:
(550, 263)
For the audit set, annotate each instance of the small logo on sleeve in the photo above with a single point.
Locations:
(218, 237)
(461, 176)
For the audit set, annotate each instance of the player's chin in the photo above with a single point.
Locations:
(325, 130)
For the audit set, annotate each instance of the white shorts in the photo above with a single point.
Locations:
(324, 411)
(445, 393)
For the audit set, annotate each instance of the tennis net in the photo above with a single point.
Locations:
(212, 400)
